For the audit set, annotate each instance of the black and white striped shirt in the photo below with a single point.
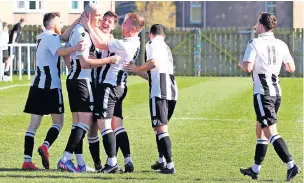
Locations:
(114, 74)
(267, 54)
(76, 72)
(161, 79)
(47, 74)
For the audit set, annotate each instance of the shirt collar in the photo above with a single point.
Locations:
(49, 31)
(266, 34)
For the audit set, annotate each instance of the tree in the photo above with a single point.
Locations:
(157, 12)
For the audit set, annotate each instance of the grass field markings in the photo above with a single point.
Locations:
(177, 118)
(13, 86)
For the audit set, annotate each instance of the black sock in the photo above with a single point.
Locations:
(165, 143)
(122, 141)
(77, 137)
(72, 134)
(94, 149)
(281, 148)
(109, 142)
(28, 145)
(52, 135)
(260, 151)
(160, 151)
(79, 146)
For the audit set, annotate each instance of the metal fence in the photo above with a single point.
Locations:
(196, 52)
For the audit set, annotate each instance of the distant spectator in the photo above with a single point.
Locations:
(15, 35)
(4, 39)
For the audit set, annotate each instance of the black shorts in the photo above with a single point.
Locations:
(80, 95)
(4, 55)
(266, 108)
(161, 111)
(44, 101)
(108, 101)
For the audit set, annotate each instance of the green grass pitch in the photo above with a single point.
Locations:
(212, 133)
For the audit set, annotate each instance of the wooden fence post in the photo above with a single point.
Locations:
(197, 52)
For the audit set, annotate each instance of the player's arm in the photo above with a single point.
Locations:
(54, 45)
(289, 64)
(143, 75)
(65, 36)
(87, 63)
(250, 55)
(63, 51)
(99, 39)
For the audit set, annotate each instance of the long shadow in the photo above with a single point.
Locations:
(20, 170)
(241, 180)
(72, 177)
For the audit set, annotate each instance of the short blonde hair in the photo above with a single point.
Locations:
(137, 21)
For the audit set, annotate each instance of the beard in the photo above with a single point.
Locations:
(57, 31)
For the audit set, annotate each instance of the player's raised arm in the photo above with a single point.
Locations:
(65, 51)
(99, 39)
(65, 36)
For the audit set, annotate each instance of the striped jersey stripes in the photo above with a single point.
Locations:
(114, 74)
(47, 73)
(80, 34)
(161, 79)
(267, 55)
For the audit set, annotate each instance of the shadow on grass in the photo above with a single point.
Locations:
(241, 180)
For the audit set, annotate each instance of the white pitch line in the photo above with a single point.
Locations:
(180, 119)
(13, 86)
(207, 119)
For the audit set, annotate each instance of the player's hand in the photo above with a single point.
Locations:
(114, 59)
(130, 67)
(80, 46)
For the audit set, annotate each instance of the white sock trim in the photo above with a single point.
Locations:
(119, 130)
(162, 135)
(274, 138)
(80, 160)
(30, 133)
(256, 168)
(93, 139)
(106, 131)
(112, 161)
(262, 141)
(58, 127)
(290, 164)
(83, 126)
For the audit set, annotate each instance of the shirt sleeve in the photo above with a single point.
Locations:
(250, 53)
(116, 46)
(81, 35)
(54, 44)
(150, 51)
(287, 58)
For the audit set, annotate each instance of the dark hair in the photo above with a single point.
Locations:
(22, 20)
(111, 14)
(269, 21)
(158, 29)
(4, 24)
(48, 17)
